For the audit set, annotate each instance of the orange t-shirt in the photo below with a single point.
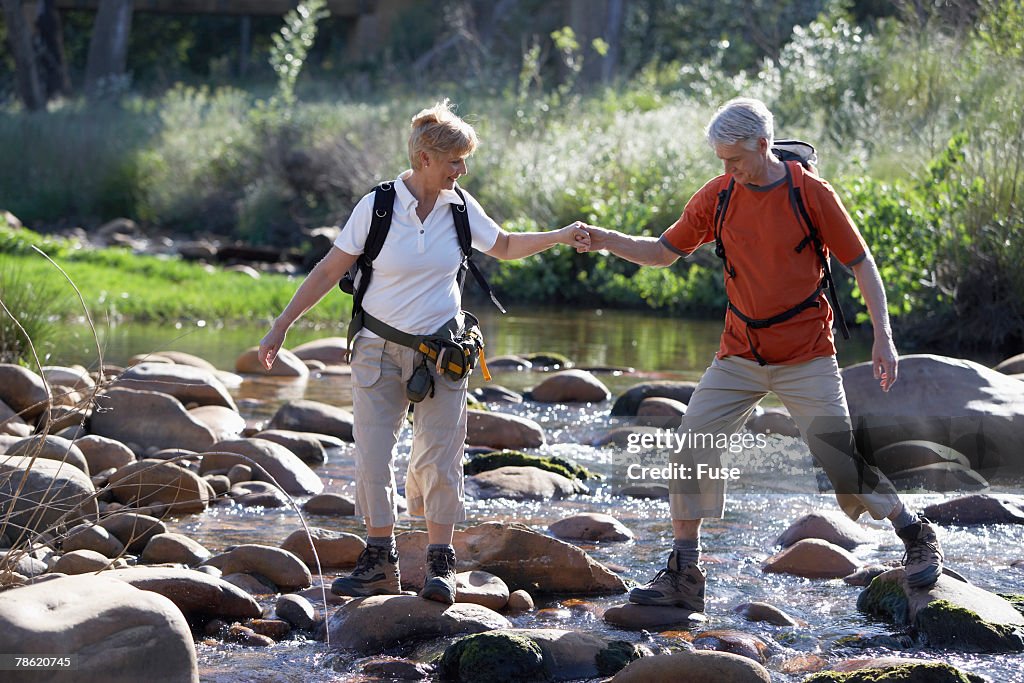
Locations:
(760, 233)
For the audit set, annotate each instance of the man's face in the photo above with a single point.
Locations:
(744, 164)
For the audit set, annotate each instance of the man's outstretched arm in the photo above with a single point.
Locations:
(645, 251)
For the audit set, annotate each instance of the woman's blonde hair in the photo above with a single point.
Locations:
(438, 130)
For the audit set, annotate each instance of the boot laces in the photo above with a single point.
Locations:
(441, 563)
(920, 550)
(671, 576)
(371, 556)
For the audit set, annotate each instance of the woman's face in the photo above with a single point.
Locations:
(444, 169)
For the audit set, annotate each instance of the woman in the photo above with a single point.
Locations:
(414, 290)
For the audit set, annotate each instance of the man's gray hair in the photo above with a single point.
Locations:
(743, 120)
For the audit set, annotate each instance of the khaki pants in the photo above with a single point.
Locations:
(433, 484)
(813, 392)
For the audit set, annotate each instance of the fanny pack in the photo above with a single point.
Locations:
(453, 350)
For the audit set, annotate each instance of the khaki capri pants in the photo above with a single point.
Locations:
(813, 392)
(433, 485)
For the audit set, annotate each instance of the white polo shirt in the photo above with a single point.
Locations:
(413, 286)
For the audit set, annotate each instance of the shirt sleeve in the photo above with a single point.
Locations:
(352, 238)
(837, 228)
(696, 224)
(481, 226)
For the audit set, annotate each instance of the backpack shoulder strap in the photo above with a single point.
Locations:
(380, 223)
(721, 207)
(461, 216)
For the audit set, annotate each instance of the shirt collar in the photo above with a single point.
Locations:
(408, 201)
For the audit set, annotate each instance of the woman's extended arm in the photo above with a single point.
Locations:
(516, 245)
(320, 280)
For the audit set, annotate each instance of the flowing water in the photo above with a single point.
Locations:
(735, 546)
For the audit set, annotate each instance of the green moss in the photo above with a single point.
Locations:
(885, 599)
(1014, 599)
(617, 655)
(492, 461)
(907, 673)
(945, 624)
(493, 657)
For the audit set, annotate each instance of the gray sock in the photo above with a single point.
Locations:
(383, 541)
(904, 519)
(688, 551)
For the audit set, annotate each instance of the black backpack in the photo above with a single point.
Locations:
(805, 154)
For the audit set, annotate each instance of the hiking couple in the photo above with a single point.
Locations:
(777, 338)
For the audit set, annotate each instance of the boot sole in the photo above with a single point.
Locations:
(662, 602)
(438, 595)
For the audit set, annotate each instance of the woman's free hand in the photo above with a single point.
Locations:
(270, 345)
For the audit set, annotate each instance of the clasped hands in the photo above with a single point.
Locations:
(584, 237)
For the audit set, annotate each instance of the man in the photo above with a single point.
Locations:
(777, 338)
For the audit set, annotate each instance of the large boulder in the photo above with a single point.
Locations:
(23, 390)
(329, 350)
(952, 402)
(302, 415)
(306, 446)
(536, 654)
(812, 558)
(950, 614)
(893, 670)
(286, 365)
(940, 477)
(286, 570)
(831, 526)
(521, 483)
(270, 461)
(658, 411)
(225, 423)
(372, 625)
(700, 667)
(51, 448)
(521, 557)
(149, 420)
(117, 633)
(38, 495)
(481, 588)
(908, 455)
(153, 482)
(647, 617)
(978, 509)
(627, 404)
(333, 548)
(591, 526)
(571, 386)
(195, 593)
(188, 384)
(496, 430)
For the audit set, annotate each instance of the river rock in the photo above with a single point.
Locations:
(330, 504)
(251, 584)
(865, 575)
(812, 558)
(286, 570)
(302, 415)
(188, 384)
(11, 424)
(496, 430)
(957, 403)
(182, 358)
(571, 386)
(509, 363)
(978, 509)
(329, 350)
(23, 390)
(150, 420)
(495, 393)
(239, 473)
(72, 377)
(334, 548)
(304, 445)
(733, 641)
(658, 411)
(297, 611)
(481, 588)
(628, 403)
(102, 453)
(156, 482)
(773, 421)
(893, 670)
(591, 526)
(371, 625)
(1013, 365)
(276, 464)
(762, 611)
(51, 448)
(626, 436)
(81, 562)
(133, 529)
(24, 564)
(950, 614)
(174, 548)
(48, 493)
(225, 423)
(700, 667)
(196, 594)
(946, 477)
(645, 617)
(519, 601)
(117, 633)
(649, 491)
(834, 527)
(286, 365)
(259, 494)
(536, 654)
(906, 455)
(521, 483)
(522, 558)
(92, 537)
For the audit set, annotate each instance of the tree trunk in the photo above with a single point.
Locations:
(592, 19)
(108, 48)
(53, 68)
(19, 36)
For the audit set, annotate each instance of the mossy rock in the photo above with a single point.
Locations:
(885, 599)
(617, 655)
(944, 624)
(493, 657)
(492, 461)
(907, 673)
(1014, 599)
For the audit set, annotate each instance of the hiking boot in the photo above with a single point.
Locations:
(922, 560)
(376, 573)
(440, 580)
(673, 586)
